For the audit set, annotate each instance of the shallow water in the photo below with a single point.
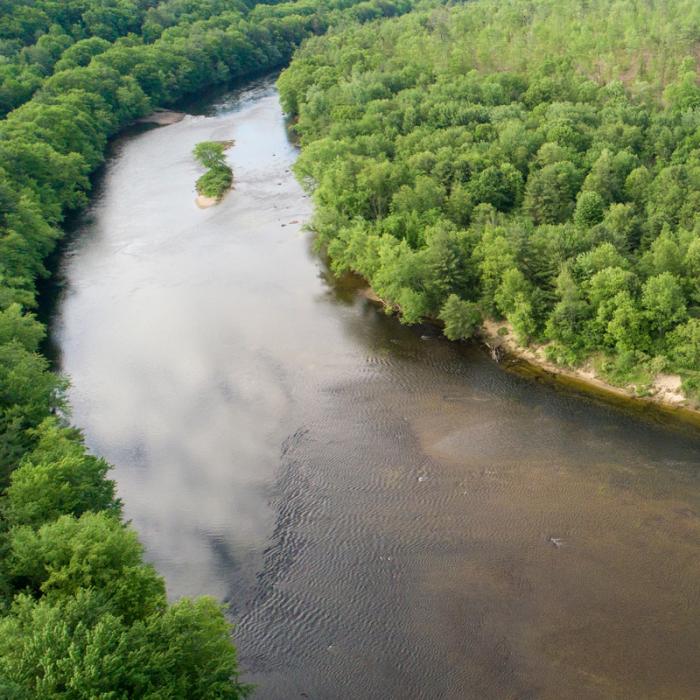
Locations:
(388, 515)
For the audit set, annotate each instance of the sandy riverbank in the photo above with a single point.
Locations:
(162, 117)
(665, 392)
(204, 202)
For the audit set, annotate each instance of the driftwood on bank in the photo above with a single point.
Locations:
(496, 350)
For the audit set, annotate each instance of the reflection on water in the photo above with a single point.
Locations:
(388, 516)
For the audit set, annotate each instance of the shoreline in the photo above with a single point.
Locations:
(666, 399)
(204, 202)
(162, 117)
(528, 362)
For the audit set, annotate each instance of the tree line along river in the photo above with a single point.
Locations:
(389, 515)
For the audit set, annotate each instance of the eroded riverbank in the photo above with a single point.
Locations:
(389, 514)
(666, 399)
(664, 395)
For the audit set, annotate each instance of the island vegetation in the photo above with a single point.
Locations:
(81, 614)
(219, 176)
(536, 163)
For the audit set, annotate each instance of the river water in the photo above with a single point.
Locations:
(388, 515)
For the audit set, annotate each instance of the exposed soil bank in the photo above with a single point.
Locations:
(204, 202)
(667, 395)
(666, 388)
(162, 117)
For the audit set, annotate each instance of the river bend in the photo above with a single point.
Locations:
(389, 515)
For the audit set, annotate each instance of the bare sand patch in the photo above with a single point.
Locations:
(204, 202)
(162, 117)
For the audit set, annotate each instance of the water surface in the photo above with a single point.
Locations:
(388, 515)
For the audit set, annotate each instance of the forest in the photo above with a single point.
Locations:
(532, 163)
(82, 615)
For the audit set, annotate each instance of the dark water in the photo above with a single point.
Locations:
(388, 516)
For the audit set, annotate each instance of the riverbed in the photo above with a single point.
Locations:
(387, 514)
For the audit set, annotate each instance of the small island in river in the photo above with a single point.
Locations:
(218, 179)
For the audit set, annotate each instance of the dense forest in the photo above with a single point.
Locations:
(81, 614)
(536, 163)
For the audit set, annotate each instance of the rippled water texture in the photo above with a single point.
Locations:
(389, 516)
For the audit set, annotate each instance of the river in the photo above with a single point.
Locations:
(388, 515)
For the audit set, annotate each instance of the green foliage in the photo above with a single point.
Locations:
(461, 318)
(550, 193)
(58, 478)
(558, 147)
(20, 327)
(684, 94)
(210, 154)
(628, 367)
(219, 176)
(589, 209)
(684, 343)
(45, 36)
(28, 393)
(93, 551)
(78, 647)
(663, 302)
(214, 183)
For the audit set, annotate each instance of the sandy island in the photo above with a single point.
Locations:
(204, 202)
(665, 392)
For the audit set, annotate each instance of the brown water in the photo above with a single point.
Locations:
(388, 515)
